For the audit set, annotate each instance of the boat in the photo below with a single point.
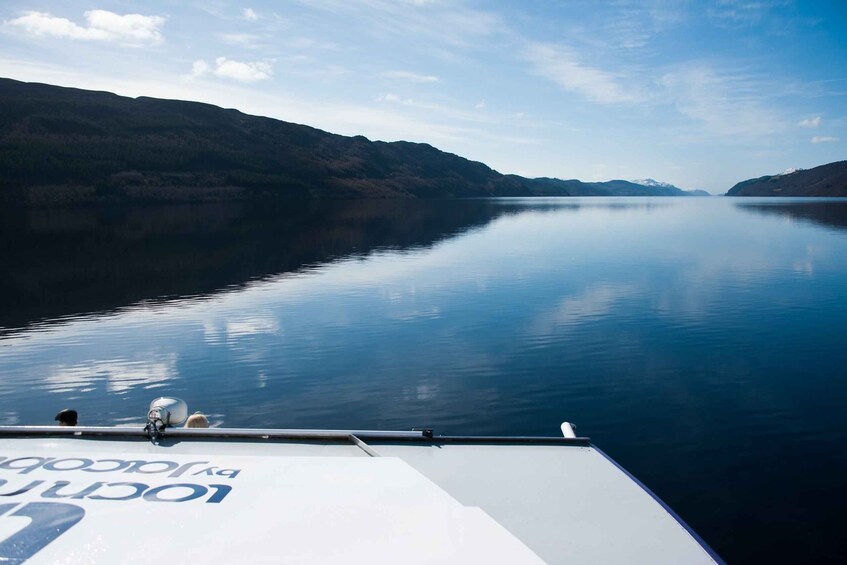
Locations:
(161, 493)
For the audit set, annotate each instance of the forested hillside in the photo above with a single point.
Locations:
(64, 145)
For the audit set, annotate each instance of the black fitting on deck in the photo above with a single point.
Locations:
(425, 432)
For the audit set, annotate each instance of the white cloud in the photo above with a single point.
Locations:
(231, 69)
(561, 65)
(823, 139)
(200, 68)
(410, 76)
(249, 14)
(244, 72)
(480, 105)
(810, 122)
(129, 29)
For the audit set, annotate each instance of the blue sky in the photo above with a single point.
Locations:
(699, 94)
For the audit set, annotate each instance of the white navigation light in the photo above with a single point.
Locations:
(170, 411)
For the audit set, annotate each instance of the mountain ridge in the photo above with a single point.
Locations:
(828, 180)
(656, 183)
(62, 145)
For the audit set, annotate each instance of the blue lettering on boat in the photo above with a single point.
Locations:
(118, 491)
(25, 465)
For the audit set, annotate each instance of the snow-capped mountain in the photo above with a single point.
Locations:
(653, 182)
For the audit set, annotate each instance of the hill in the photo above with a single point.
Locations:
(544, 186)
(826, 180)
(65, 145)
(671, 188)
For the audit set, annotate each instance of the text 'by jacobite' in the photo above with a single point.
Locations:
(25, 465)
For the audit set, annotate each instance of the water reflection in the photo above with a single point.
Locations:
(826, 212)
(571, 311)
(118, 375)
(696, 341)
(232, 329)
(58, 262)
(70, 261)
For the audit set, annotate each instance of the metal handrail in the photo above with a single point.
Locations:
(273, 433)
(259, 433)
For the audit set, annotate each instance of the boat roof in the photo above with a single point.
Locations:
(88, 495)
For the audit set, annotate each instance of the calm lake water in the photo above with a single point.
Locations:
(700, 342)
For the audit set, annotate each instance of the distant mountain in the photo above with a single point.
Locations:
(666, 185)
(826, 180)
(653, 182)
(610, 188)
(65, 145)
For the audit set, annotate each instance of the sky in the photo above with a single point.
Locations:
(701, 94)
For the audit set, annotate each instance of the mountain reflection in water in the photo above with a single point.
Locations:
(66, 261)
(829, 212)
(60, 262)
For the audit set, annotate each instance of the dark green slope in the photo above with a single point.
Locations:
(64, 145)
(826, 180)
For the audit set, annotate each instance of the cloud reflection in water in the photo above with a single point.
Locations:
(119, 375)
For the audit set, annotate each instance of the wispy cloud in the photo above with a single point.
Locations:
(562, 66)
(431, 109)
(231, 69)
(433, 22)
(101, 25)
(810, 122)
(726, 104)
(310, 44)
(247, 40)
(390, 97)
(631, 24)
(249, 14)
(738, 13)
(771, 17)
(823, 139)
(410, 76)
